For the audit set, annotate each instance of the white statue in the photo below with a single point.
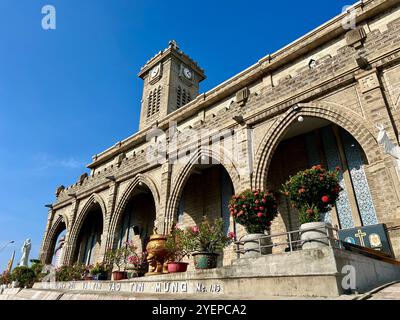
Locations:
(26, 249)
(390, 147)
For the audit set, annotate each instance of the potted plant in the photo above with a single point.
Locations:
(313, 192)
(254, 210)
(205, 241)
(100, 271)
(119, 258)
(178, 248)
(137, 261)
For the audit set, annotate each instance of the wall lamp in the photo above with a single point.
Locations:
(239, 119)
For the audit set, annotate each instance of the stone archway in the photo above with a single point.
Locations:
(361, 130)
(135, 214)
(185, 173)
(94, 203)
(326, 138)
(58, 227)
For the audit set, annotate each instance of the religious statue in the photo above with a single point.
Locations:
(390, 147)
(26, 249)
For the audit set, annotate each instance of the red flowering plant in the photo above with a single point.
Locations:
(313, 192)
(255, 210)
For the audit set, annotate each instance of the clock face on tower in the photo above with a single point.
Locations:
(187, 73)
(155, 72)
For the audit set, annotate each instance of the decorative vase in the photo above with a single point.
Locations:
(252, 244)
(119, 275)
(157, 254)
(205, 260)
(315, 235)
(177, 267)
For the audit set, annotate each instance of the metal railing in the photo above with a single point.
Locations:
(329, 236)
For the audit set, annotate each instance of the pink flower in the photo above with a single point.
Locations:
(195, 229)
(260, 215)
(257, 202)
(232, 235)
(262, 208)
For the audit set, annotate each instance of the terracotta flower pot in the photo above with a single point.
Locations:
(119, 275)
(177, 267)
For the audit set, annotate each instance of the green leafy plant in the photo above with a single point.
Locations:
(255, 210)
(178, 244)
(208, 237)
(313, 192)
(75, 272)
(119, 257)
(99, 268)
(25, 276)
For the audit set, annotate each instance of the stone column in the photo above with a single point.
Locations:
(163, 221)
(107, 239)
(381, 175)
(67, 253)
(45, 241)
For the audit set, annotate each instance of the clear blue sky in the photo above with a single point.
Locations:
(70, 93)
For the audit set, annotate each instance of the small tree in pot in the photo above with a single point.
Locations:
(313, 192)
(178, 246)
(255, 210)
(119, 258)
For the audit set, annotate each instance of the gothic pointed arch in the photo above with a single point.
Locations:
(139, 180)
(73, 235)
(58, 226)
(184, 173)
(361, 129)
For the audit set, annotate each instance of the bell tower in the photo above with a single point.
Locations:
(171, 80)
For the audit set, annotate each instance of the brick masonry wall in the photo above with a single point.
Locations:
(336, 89)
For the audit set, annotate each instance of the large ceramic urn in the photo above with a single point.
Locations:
(157, 254)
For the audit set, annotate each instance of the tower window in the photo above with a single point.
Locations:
(154, 102)
(182, 97)
(179, 97)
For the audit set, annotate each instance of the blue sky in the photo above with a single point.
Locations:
(69, 93)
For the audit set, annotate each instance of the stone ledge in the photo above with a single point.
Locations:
(308, 273)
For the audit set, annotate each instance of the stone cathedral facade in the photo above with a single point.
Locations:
(316, 101)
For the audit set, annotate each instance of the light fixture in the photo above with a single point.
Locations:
(296, 108)
(300, 119)
(239, 119)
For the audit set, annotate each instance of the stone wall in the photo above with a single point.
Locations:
(337, 88)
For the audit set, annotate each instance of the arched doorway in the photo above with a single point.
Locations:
(318, 141)
(136, 223)
(55, 250)
(87, 249)
(207, 192)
